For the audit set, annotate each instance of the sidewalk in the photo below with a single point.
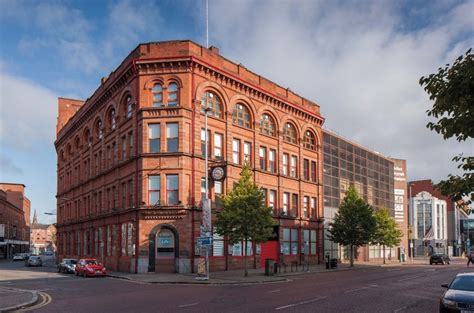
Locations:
(12, 299)
(233, 277)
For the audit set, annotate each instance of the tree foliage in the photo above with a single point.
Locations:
(452, 90)
(387, 232)
(244, 216)
(354, 224)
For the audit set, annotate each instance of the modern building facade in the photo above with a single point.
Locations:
(131, 161)
(14, 220)
(372, 174)
(429, 209)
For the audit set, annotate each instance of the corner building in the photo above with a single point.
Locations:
(131, 162)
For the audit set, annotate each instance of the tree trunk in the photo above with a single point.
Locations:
(352, 255)
(246, 273)
(383, 254)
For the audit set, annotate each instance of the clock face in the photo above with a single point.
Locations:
(217, 173)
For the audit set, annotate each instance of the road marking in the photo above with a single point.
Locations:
(410, 278)
(186, 305)
(356, 289)
(400, 309)
(45, 300)
(273, 291)
(299, 303)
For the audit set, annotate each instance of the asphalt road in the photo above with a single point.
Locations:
(379, 289)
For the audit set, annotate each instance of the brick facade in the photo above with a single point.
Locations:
(131, 160)
(14, 220)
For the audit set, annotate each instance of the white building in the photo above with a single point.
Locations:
(428, 215)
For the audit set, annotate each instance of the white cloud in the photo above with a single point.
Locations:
(27, 113)
(8, 167)
(354, 61)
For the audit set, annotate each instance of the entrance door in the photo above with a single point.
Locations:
(269, 250)
(165, 251)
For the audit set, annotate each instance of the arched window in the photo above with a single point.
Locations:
(289, 133)
(309, 140)
(211, 100)
(77, 143)
(98, 130)
(129, 106)
(157, 96)
(87, 137)
(69, 150)
(173, 98)
(241, 116)
(267, 125)
(112, 119)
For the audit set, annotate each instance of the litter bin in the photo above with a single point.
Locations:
(333, 263)
(269, 267)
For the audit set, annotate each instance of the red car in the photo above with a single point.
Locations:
(90, 267)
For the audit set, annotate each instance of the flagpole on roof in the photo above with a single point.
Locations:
(207, 24)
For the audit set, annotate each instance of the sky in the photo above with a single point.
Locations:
(359, 60)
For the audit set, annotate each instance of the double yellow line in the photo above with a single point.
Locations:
(44, 299)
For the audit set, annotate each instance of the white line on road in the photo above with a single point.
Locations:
(299, 303)
(410, 278)
(273, 291)
(356, 289)
(189, 304)
(400, 309)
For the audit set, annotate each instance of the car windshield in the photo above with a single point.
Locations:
(92, 262)
(70, 261)
(465, 283)
(34, 257)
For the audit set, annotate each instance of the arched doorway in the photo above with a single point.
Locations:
(164, 249)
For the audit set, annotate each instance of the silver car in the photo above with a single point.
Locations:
(34, 260)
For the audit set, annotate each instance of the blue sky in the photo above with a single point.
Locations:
(360, 61)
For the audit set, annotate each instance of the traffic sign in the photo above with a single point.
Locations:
(204, 241)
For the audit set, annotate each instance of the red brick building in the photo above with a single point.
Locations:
(14, 220)
(131, 161)
(43, 237)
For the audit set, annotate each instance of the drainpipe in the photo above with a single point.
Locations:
(137, 231)
(193, 164)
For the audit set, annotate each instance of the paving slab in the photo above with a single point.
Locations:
(12, 298)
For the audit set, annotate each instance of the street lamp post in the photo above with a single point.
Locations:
(206, 227)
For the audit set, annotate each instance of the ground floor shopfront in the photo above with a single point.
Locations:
(165, 240)
(8, 247)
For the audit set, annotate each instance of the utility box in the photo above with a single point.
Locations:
(269, 267)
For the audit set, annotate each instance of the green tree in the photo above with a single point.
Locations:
(354, 224)
(387, 232)
(452, 90)
(244, 216)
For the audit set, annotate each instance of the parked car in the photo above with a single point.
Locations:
(67, 266)
(439, 258)
(26, 255)
(90, 267)
(18, 257)
(34, 260)
(460, 294)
